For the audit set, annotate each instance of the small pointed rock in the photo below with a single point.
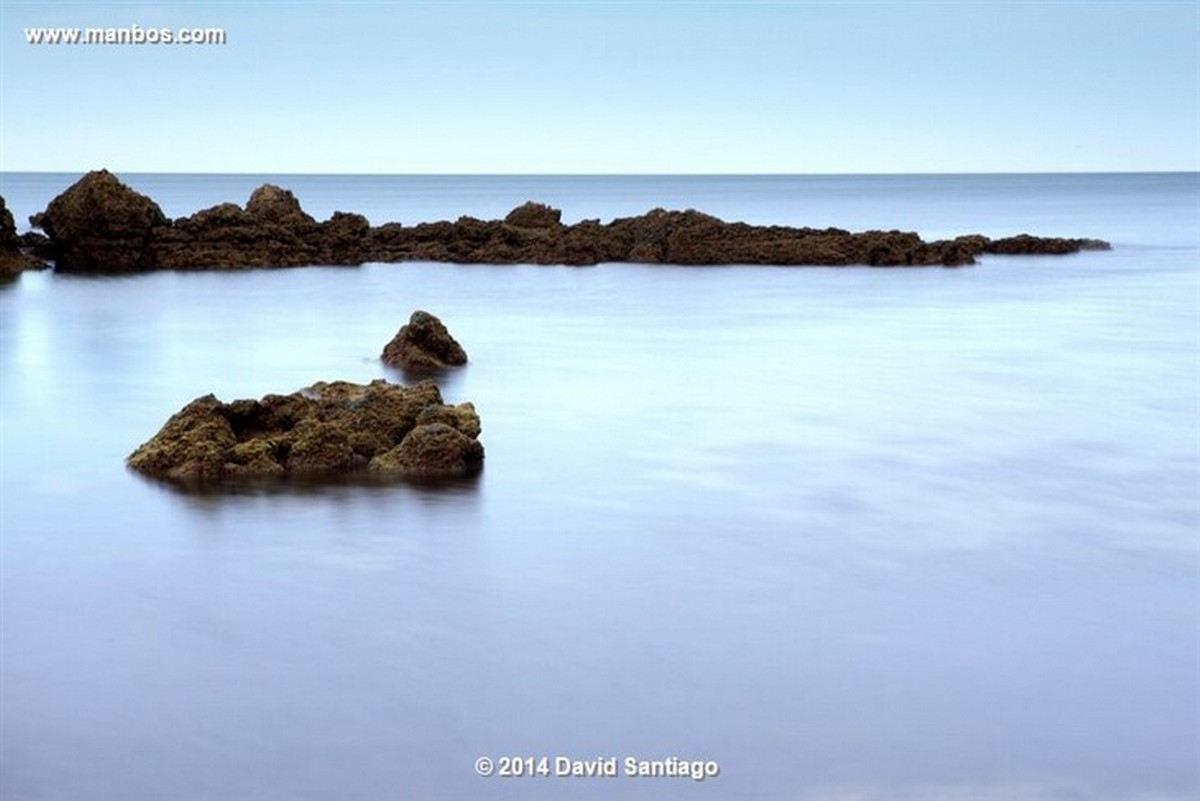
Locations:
(424, 344)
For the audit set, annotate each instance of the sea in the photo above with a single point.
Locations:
(911, 534)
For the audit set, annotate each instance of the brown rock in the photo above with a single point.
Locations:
(326, 430)
(11, 263)
(276, 206)
(343, 239)
(534, 215)
(435, 450)
(423, 344)
(8, 228)
(226, 236)
(1025, 245)
(100, 224)
(462, 417)
(17, 253)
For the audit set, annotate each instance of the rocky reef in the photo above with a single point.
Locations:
(423, 344)
(328, 430)
(99, 224)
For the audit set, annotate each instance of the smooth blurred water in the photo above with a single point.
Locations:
(852, 533)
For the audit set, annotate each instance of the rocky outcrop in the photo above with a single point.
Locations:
(11, 263)
(1026, 245)
(327, 430)
(17, 253)
(423, 344)
(534, 215)
(272, 231)
(100, 224)
(436, 450)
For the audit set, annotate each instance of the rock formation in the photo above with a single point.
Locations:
(423, 344)
(100, 224)
(17, 253)
(324, 431)
(534, 215)
(1026, 245)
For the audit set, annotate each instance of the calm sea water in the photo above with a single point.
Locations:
(851, 533)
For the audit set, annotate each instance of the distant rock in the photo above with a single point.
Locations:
(423, 344)
(227, 236)
(99, 224)
(325, 431)
(1026, 245)
(534, 215)
(275, 206)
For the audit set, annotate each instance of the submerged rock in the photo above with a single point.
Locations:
(100, 224)
(326, 430)
(423, 344)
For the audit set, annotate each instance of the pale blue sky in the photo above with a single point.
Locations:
(609, 87)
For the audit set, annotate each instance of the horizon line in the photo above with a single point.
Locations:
(602, 174)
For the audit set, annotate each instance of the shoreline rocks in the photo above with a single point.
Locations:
(423, 344)
(326, 431)
(99, 224)
(17, 253)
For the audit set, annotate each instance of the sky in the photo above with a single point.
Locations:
(396, 86)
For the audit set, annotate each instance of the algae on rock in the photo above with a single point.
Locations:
(328, 429)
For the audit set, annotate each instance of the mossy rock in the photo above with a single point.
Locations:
(329, 429)
(435, 450)
(423, 344)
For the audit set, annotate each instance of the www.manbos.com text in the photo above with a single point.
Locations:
(129, 35)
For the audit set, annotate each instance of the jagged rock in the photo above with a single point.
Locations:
(8, 228)
(274, 205)
(326, 430)
(228, 236)
(10, 252)
(38, 246)
(342, 239)
(435, 450)
(534, 215)
(1025, 245)
(100, 224)
(423, 344)
(462, 417)
(17, 253)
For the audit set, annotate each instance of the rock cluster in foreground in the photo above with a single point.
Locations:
(423, 344)
(328, 429)
(100, 224)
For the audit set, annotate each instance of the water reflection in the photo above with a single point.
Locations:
(448, 380)
(351, 487)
